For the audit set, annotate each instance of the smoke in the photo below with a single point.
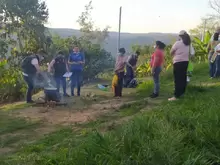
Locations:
(44, 80)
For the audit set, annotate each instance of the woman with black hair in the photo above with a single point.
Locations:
(181, 51)
(157, 60)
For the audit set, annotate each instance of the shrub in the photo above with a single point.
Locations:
(12, 86)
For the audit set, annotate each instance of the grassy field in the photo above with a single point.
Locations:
(133, 131)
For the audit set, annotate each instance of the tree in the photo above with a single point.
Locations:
(210, 22)
(215, 5)
(21, 29)
(207, 24)
(89, 32)
(24, 19)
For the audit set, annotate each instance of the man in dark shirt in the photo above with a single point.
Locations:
(60, 66)
(131, 67)
(30, 69)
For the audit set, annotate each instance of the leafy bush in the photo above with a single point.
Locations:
(201, 47)
(12, 86)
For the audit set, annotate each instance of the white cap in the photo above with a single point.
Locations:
(182, 32)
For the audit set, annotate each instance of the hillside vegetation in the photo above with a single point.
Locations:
(182, 132)
(127, 39)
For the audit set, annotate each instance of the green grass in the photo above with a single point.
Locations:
(13, 130)
(10, 125)
(14, 106)
(185, 132)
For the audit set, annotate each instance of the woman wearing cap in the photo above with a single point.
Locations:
(157, 60)
(120, 64)
(181, 52)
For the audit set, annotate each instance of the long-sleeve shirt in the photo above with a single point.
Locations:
(121, 61)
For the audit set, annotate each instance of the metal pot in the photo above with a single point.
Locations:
(51, 94)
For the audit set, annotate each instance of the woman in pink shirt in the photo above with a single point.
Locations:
(181, 51)
(120, 64)
(157, 60)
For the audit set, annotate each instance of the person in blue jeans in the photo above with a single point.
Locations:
(30, 69)
(60, 68)
(76, 62)
(157, 60)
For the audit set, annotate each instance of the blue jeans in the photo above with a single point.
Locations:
(217, 65)
(212, 66)
(30, 83)
(156, 78)
(129, 75)
(212, 69)
(76, 81)
(61, 81)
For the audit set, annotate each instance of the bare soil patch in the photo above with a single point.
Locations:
(70, 115)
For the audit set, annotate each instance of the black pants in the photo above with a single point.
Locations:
(119, 86)
(30, 83)
(180, 74)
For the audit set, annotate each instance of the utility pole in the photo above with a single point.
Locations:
(119, 29)
(204, 29)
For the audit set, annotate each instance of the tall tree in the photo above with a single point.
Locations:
(88, 29)
(207, 24)
(24, 19)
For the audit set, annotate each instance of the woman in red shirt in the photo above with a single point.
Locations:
(156, 64)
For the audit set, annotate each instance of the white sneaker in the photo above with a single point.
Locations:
(172, 99)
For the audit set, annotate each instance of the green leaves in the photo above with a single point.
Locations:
(201, 47)
(88, 29)
(24, 20)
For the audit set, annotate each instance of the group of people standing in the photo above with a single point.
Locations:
(182, 51)
(60, 65)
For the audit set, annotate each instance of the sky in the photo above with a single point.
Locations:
(138, 16)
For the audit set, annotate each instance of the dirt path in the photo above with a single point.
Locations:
(70, 115)
(90, 107)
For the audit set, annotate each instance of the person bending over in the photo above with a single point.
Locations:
(30, 69)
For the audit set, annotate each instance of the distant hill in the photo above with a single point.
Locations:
(127, 39)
